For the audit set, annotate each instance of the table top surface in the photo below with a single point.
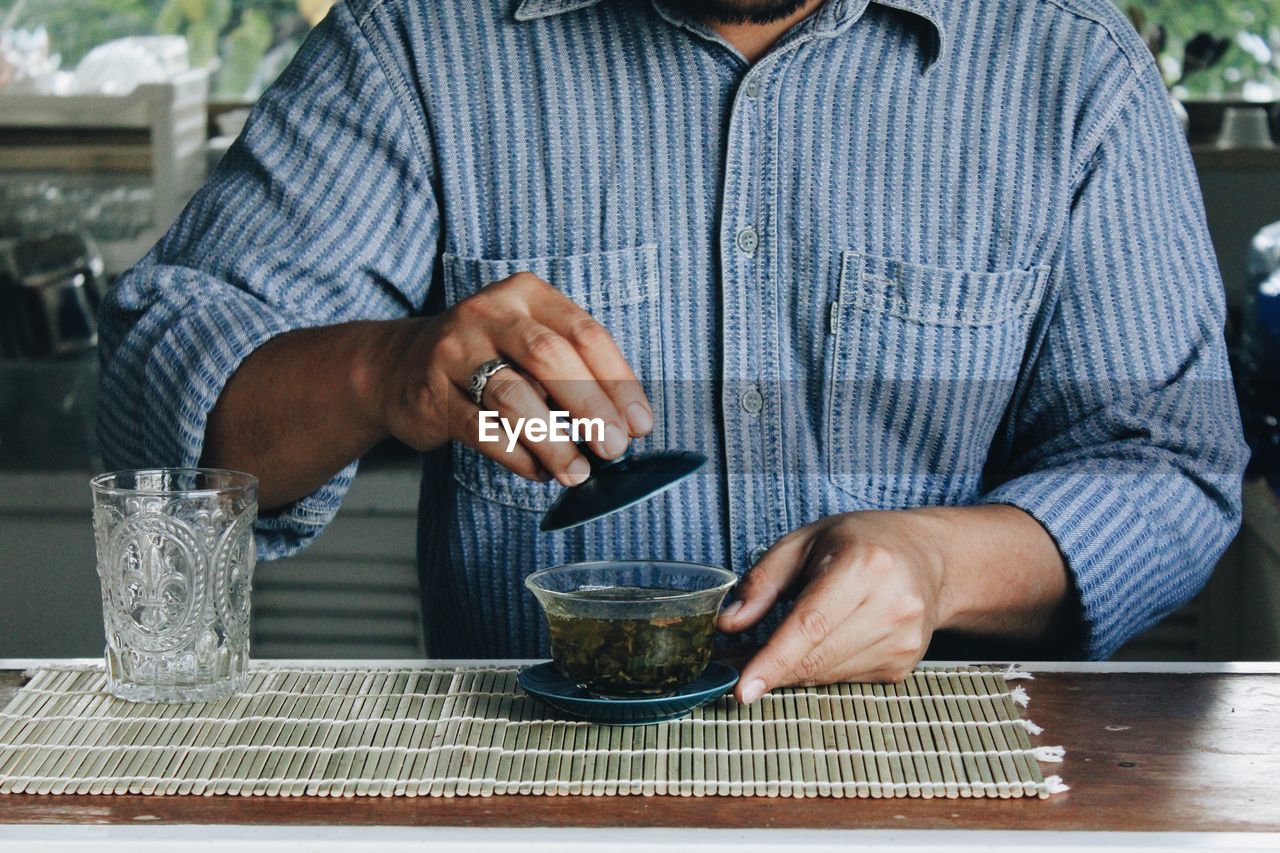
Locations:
(1146, 751)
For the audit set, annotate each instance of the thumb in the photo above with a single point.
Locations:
(760, 587)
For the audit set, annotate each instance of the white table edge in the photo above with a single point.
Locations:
(316, 839)
(1170, 667)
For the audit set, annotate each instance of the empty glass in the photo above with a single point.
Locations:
(175, 556)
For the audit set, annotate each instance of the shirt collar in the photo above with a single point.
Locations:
(841, 11)
(529, 10)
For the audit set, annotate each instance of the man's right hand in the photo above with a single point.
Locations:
(416, 382)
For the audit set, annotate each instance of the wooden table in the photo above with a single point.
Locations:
(1151, 748)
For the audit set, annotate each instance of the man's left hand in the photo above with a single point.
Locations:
(869, 594)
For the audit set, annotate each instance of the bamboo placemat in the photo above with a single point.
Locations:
(429, 731)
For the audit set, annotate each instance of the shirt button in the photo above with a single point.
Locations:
(752, 401)
(757, 553)
(752, 87)
(748, 240)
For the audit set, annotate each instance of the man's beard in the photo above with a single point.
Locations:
(741, 11)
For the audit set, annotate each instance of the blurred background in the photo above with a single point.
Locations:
(112, 112)
(243, 43)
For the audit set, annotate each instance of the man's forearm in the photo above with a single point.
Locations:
(305, 404)
(299, 409)
(1003, 575)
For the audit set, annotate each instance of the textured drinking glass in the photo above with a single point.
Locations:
(176, 557)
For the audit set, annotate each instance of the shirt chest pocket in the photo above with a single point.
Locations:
(619, 289)
(924, 363)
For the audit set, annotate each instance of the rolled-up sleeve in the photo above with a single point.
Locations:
(1125, 437)
(322, 212)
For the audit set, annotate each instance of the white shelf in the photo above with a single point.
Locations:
(156, 133)
(134, 110)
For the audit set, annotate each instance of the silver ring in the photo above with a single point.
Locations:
(480, 379)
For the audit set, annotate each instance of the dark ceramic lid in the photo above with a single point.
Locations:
(619, 484)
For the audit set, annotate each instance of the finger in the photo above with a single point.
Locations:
(828, 599)
(600, 352)
(861, 649)
(760, 587)
(537, 388)
(890, 660)
(494, 323)
(464, 426)
(551, 359)
(513, 397)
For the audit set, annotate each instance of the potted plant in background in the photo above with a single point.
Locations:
(1214, 55)
(243, 43)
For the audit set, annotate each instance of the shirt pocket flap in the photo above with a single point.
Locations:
(595, 280)
(937, 296)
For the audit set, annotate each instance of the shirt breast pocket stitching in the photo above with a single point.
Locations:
(908, 291)
(588, 278)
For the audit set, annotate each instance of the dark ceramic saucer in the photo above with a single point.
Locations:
(545, 681)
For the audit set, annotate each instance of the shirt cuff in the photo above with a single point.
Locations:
(1124, 560)
(185, 375)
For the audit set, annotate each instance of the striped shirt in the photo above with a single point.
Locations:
(921, 253)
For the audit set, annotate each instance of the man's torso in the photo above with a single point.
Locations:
(829, 268)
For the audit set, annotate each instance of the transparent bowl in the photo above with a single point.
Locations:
(631, 628)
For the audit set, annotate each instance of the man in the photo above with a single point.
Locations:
(927, 280)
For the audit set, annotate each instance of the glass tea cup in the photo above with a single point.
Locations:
(176, 557)
(633, 628)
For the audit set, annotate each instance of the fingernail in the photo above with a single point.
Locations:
(615, 441)
(578, 470)
(640, 419)
(732, 610)
(753, 690)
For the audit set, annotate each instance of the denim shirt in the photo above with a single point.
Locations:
(921, 253)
